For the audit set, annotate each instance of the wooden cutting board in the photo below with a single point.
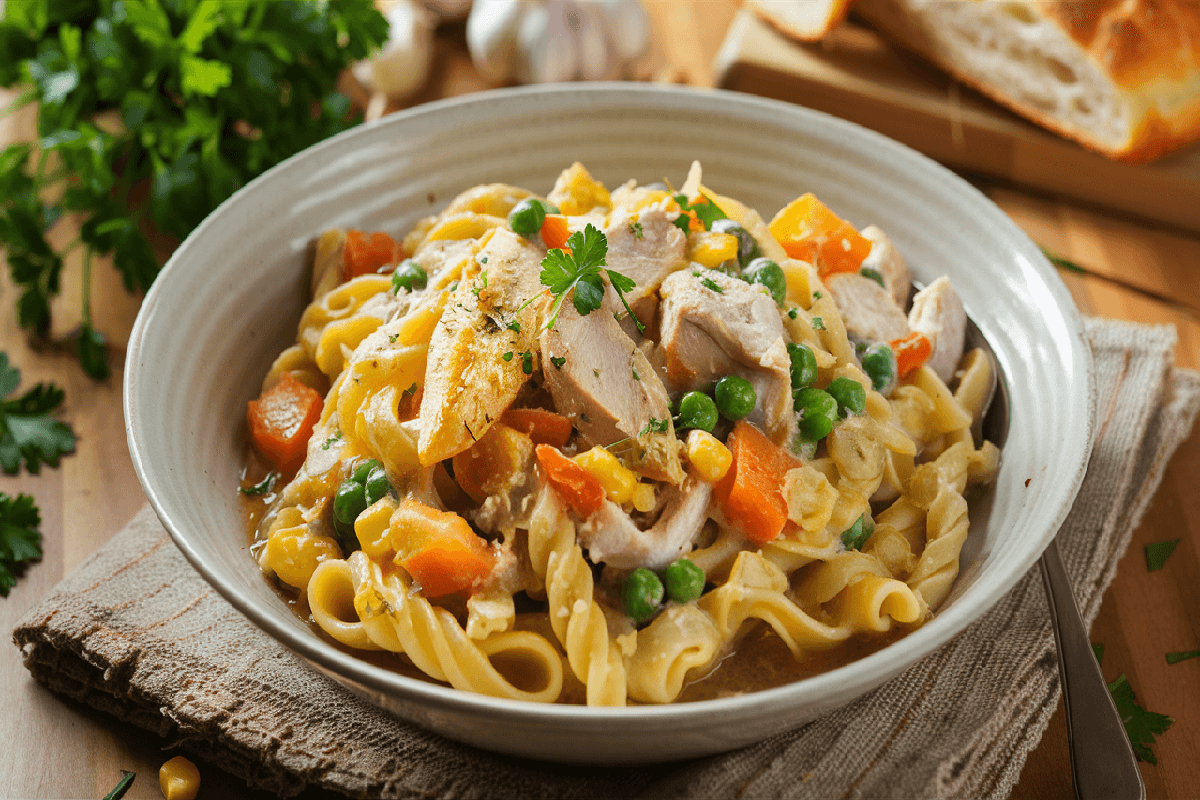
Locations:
(856, 75)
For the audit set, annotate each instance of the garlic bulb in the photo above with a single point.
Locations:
(402, 66)
(542, 41)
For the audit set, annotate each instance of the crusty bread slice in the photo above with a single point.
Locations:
(807, 20)
(1119, 76)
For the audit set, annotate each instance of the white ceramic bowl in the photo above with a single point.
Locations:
(229, 300)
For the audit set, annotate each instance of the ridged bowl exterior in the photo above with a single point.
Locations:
(229, 300)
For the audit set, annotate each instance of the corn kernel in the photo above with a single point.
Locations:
(179, 779)
(706, 453)
(618, 481)
(643, 497)
(712, 249)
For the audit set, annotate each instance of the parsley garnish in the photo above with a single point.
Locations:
(1175, 658)
(514, 326)
(580, 270)
(817, 295)
(207, 95)
(481, 287)
(709, 283)
(393, 337)
(20, 540)
(857, 534)
(558, 362)
(791, 313)
(484, 261)
(636, 229)
(873, 274)
(26, 429)
(527, 362)
(262, 487)
(119, 790)
(636, 377)
(507, 356)
(1157, 554)
(654, 425)
(704, 210)
(818, 324)
(454, 287)
(325, 445)
(1140, 725)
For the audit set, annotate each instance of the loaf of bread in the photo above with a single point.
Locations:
(807, 20)
(1119, 76)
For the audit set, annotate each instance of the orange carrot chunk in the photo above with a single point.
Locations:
(751, 493)
(579, 489)
(439, 549)
(555, 231)
(365, 254)
(542, 426)
(281, 422)
(911, 351)
(809, 231)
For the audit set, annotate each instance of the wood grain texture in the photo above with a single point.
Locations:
(1137, 271)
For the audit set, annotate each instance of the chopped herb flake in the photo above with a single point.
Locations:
(393, 337)
(262, 487)
(636, 377)
(654, 425)
(818, 295)
(507, 356)
(704, 210)
(1157, 554)
(558, 361)
(791, 313)
(818, 324)
(527, 362)
(325, 445)
(708, 283)
(873, 274)
(636, 229)
(514, 326)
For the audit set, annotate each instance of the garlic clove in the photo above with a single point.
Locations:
(402, 66)
(628, 27)
(546, 43)
(596, 56)
(492, 30)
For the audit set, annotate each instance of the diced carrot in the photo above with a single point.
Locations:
(365, 254)
(438, 549)
(555, 232)
(542, 426)
(580, 489)
(912, 352)
(497, 461)
(751, 493)
(281, 422)
(809, 231)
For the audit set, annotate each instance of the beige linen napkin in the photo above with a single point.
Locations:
(136, 632)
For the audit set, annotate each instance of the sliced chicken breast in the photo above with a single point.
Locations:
(938, 313)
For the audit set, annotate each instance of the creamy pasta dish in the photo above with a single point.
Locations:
(592, 446)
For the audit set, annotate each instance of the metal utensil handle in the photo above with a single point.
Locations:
(1102, 761)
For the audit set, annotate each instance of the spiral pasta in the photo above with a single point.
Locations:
(492, 477)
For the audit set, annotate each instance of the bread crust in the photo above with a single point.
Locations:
(774, 12)
(1146, 51)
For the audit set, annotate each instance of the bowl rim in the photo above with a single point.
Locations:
(890, 660)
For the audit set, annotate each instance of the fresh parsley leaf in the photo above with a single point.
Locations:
(873, 274)
(1140, 725)
(817, 295)
(857, 534)
(1175, 658)
(654, 425)
(26, 429)
(1157, 554)
(558, 361)
(579, 269)
(329, 442)
(636, 377)
(20, 540)
(507, 356)
(262, 487)
(122, 786)
(704, 209)
(636, 229)
(514, 326)
(710, 284)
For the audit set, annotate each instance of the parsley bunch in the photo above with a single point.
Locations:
(579, 268)
(195, 97)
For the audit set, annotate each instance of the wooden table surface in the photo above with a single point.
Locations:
(1134, 270)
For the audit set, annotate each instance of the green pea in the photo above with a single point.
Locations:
(850, 395)
(766, 272)
(346, 536)
(349, 502)
(857, 534)
(642, 593)
(879, 362)
(735, 397)
(697, 410)
(748, 248)
(364, 469)
(818, 411)
(408, 275)
(376, 485)
(684, 581)
(804, 364)
(527, 216)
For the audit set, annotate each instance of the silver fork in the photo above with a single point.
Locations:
(1103, 766)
